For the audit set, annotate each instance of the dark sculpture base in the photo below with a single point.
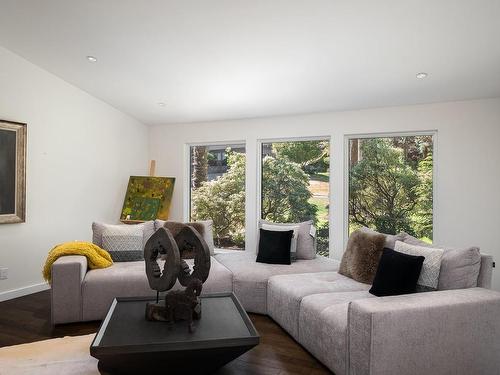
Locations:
(190, 362)
(126, 343)
(157, 312)
(178, 306)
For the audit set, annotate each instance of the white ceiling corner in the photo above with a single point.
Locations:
(227, 59)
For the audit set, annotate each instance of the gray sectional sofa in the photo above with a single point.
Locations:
(332, 316)
(79, 294)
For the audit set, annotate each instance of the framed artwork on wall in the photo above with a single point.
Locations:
(12, 172)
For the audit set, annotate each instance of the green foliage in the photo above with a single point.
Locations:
(382, 188)
(390, 188)
(312, 156)
(223, 201)
(285, 193)
(211, 158)
(284, 190)
(423, 216)
(414, 148)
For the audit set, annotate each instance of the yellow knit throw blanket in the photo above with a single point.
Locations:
(96, 257)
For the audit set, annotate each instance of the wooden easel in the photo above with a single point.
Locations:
(152, 168)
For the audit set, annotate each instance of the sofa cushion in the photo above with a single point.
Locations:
(207, 234)
(361, 257)
(323, 326)
(123, 242)
(429, 276)
(147, 227)
(306, 244)
(485, 271)
(274, 246)
(285, 293)
(282, 228)
(409, 239)
(460, 268)
(128, 279)
(390, 239)
(250, 278)
(397, 273)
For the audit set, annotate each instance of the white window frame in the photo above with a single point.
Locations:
(258, 207)
(187, 175)
(348, 137)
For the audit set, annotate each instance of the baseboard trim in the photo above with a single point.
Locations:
(30, 289)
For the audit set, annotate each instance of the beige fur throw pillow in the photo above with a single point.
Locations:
(362, 255)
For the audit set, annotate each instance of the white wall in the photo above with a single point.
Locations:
(80, 154)
(467, 183)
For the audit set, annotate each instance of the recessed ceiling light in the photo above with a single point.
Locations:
(92, 59)
(421, 75)
(161, 104)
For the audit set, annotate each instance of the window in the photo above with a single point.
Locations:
(391, 184)
(217, 191)
(295, 185)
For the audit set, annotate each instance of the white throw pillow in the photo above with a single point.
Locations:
(429, 276)
(281, 228)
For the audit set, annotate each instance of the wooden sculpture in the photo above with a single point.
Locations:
(178, 305)
(184, 305)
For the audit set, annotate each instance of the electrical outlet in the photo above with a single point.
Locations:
(4, 273)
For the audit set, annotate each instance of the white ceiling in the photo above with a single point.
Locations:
(226, 59)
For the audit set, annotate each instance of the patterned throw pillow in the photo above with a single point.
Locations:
(148, 228)
(123, 242)
(429, 277)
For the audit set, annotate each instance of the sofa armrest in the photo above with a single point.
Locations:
(485, 272)
(444, 332)
(68, 273)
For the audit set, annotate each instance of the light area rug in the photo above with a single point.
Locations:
(66, 355)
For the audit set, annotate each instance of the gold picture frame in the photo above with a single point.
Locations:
(12, 172)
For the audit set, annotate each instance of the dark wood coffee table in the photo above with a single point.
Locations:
(127, 343)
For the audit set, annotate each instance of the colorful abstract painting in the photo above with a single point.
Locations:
(148, 198)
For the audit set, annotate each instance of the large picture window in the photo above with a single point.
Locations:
(391, 184)
(217, 191)
(295, 185)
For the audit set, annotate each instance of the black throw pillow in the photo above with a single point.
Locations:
(397, 273)
(274, 247)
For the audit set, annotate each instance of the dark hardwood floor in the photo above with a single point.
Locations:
(27, 319)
